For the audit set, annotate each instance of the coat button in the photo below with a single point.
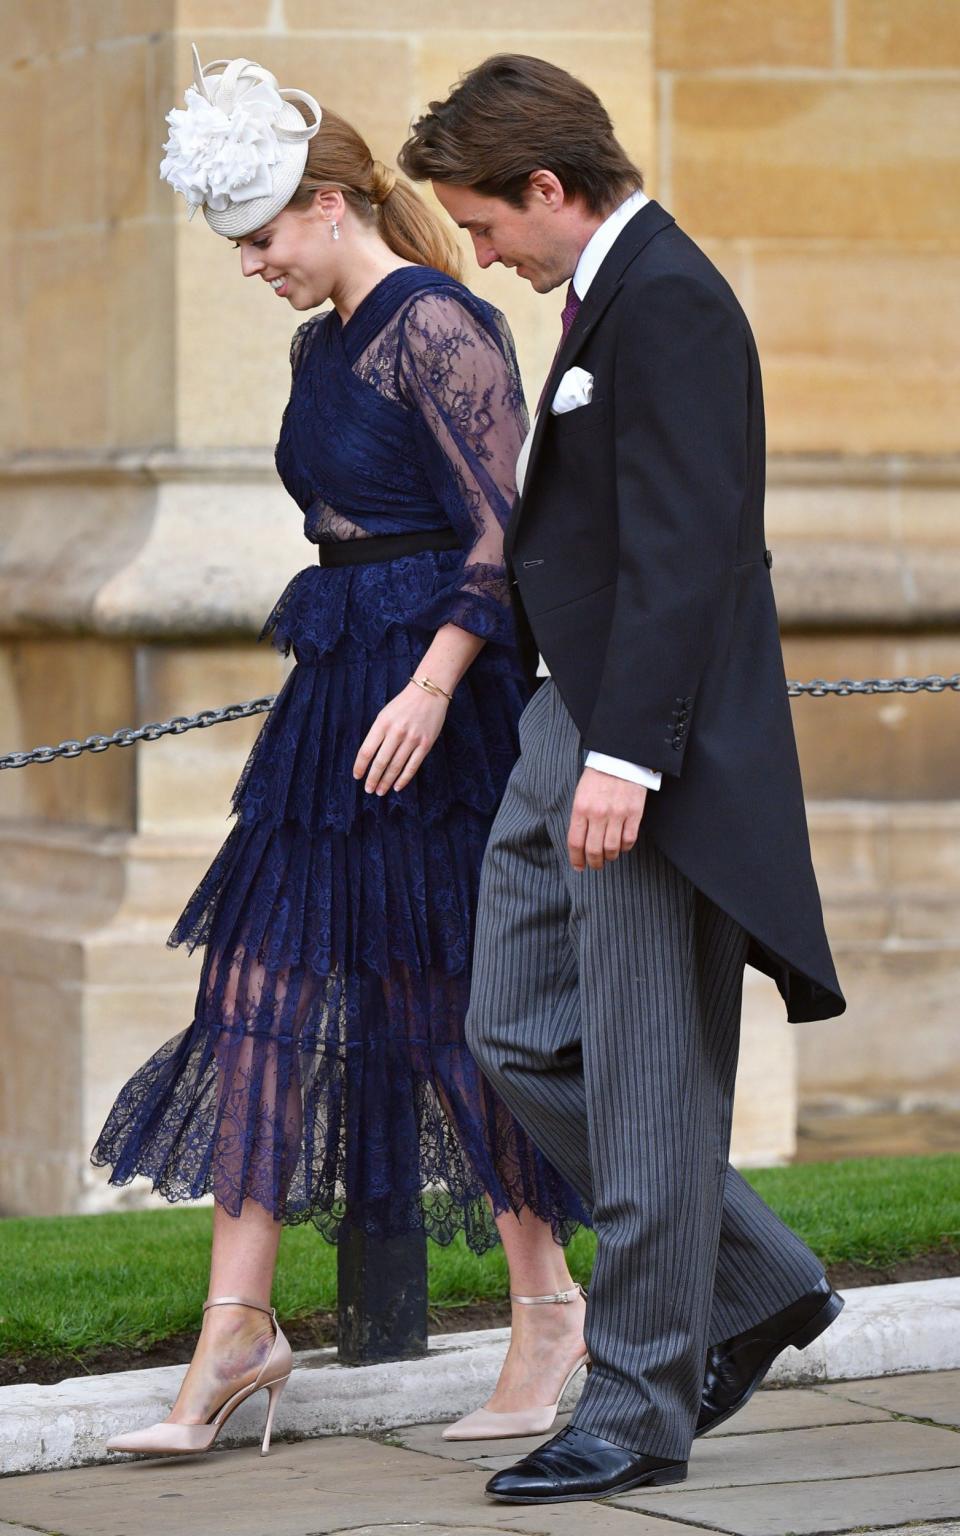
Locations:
(768, 558)
(677, 743)
(683, 715)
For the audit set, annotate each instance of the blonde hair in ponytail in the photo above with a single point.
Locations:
(338, 157)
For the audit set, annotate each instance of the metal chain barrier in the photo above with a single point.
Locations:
(128, 735)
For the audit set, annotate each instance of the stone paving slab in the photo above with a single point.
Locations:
(803, 1508)
(935, 1396)
(948, 1528)
(843, 1451)
(792, 1408)
(315, 1488)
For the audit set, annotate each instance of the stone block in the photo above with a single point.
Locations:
(12, 798)
(813, 1508)
(141, 371)
(886, 34)
(765, 1109)
(925, 850)
(782, 159)
(827, 512)
(168, 74)
(232, 346)
(185, 782)
(67, 689)
(694, 34)
(88, 989)
(733, 261)
(794, 1456)
(856, 349)
(850, 847)
(40, 1105)
(900, 1029)
(219, 546)
(69, 153)
(934, 1396)
(880, 747)
(11, 355)
(35, 1181)
(37, 30)
(420, 16)
(236, 15)
(793, 1408)
(907, 507)
(128, 137)
(813, 405)
(137, 18)
(60, 299)
(833, 586)
(917, 916)
(23, 196)
(122, 1028)
(856, 921)
(165, 544)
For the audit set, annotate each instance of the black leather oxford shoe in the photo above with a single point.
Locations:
(578, 1465)
(736, 1368)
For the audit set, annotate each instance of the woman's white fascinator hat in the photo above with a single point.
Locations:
(239, 148)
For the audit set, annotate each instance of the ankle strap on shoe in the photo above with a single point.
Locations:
(553, 1298)
(237, 1301)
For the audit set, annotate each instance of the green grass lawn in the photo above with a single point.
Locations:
(70, 1284)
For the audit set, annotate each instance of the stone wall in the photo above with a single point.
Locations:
(810, 145)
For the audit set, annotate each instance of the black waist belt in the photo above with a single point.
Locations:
(385, 546)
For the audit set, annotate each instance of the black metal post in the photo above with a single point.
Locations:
(381, 1297)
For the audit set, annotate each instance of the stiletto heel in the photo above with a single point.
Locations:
(168, 1439)
(275, 1389)
(489, 1424)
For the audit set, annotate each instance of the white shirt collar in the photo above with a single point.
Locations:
(598, 246)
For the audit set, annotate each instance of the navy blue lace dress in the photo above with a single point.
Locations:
(325, 1073)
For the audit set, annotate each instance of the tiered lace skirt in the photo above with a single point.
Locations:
(325, 1073)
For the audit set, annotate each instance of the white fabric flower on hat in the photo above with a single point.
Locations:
(219, 158)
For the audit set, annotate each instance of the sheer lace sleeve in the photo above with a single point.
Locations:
(300, 339)
(458, 370)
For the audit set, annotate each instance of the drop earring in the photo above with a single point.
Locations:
(335, 230)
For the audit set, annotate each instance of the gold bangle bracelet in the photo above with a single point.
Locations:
(429, 686)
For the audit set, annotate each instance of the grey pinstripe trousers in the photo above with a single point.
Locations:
(605, 1009)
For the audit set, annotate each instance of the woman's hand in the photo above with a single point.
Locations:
(399, 739)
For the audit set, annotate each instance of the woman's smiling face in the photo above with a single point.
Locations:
(295, 253)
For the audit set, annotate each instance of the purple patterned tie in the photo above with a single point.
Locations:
(567, 316)
(569, 313)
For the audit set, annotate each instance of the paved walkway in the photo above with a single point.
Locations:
(854, 1456)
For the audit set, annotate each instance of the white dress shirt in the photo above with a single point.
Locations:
(591, 258)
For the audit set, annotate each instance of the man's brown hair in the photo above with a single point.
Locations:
(513, 115)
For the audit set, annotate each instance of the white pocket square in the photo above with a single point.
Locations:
(575, 389)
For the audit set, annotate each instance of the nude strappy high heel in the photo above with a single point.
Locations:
(189, 1439)
(487, 1424)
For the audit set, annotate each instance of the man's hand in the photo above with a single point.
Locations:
(605, 820)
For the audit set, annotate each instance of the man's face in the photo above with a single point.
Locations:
(536, 241)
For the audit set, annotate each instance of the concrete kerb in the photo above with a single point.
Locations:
(886, 1330)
